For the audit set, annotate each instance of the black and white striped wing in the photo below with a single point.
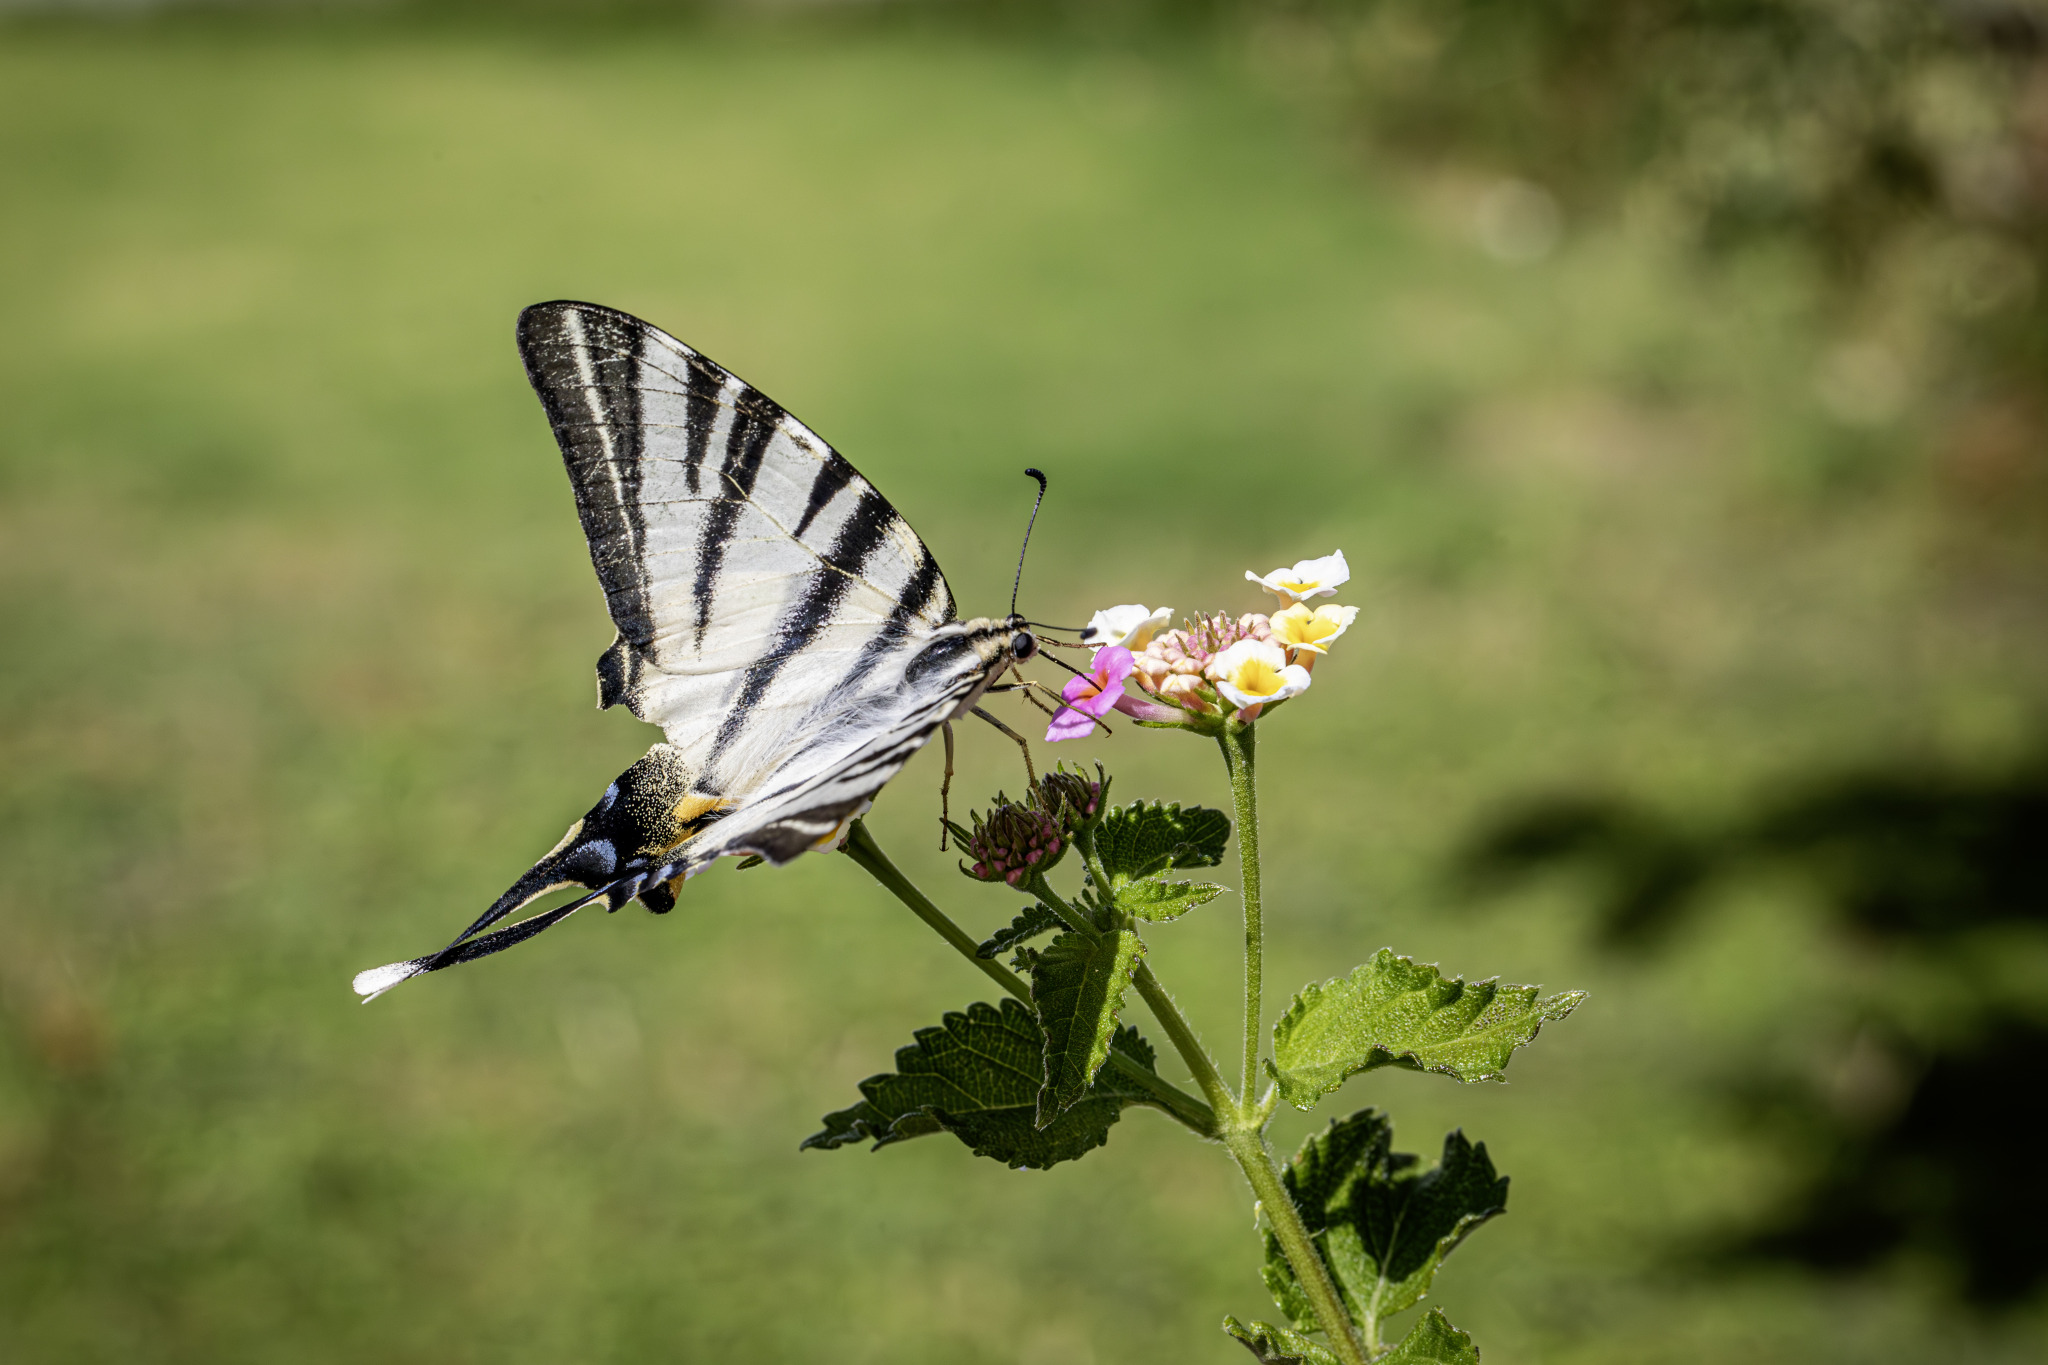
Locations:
(758, 583)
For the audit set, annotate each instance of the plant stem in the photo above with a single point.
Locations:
(1245, 1135)
(862, 848)
(1086, 843)
(1248, 1145)
(1237, 743)
(1183, 1039)
(1069, 916)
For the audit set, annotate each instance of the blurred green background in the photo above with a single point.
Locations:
(299, 627)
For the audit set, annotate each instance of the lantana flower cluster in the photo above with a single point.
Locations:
(1212, 666)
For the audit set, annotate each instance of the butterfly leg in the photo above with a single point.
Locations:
(945, 787)
(1030, 696)
(1022, 743)
(1030, 687)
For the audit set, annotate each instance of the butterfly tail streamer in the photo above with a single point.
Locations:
(473, 945)
(377, 980)
(547, 875)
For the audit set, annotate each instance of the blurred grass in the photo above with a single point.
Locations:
(299, 627)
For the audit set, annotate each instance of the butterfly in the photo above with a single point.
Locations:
(775, 616)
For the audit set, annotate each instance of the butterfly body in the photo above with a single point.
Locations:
(779, 620)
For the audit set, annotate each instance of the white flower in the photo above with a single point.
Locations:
(1255, 672)
(1131, 626)
(1310, 578)
(1313, 629)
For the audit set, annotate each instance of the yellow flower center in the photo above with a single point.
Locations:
(1300, 628)
(1257, 678)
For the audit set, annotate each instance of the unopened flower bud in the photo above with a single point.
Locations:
(1014, 844)
(1185, 690)
(1074, 801)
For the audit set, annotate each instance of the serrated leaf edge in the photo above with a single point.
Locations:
(1125, 1039)
(1548, 1010)
(1432, 1323)
(1171, 859)
(1214, 890)
(1281, 1350)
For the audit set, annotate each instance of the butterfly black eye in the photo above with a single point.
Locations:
(1023, 645)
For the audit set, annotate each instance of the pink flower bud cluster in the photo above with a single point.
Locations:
(1071, 799)
(1177, 665)
(1014, 843)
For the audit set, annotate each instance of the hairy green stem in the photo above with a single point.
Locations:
(862, 848)
(1085, 841)
(1248, 1145)
(1237, 743)
(1069, 916)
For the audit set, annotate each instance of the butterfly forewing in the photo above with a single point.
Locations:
(730, 540)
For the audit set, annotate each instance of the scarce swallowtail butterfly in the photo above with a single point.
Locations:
(776, 618)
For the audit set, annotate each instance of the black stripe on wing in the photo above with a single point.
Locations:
(700, 415)
(745, 444)
(836, 474)
(863, 532)
(917, 595)
(584, 367)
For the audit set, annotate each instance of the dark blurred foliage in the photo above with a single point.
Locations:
(1931, 1152)
(1913, 858)
(1912, 1142)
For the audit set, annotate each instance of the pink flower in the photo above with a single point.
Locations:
(1092, 695)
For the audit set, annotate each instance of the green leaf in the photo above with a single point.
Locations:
(1078, 985)
(1278, 1346)
(1032, 921)
(1394, 1011)
(1382, 1222)
(1285, 1287)
(1433, 1341)
(1153, 899)
(977, 1075)
(1146, 837)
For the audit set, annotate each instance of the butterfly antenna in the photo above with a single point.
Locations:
(1027, 538)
